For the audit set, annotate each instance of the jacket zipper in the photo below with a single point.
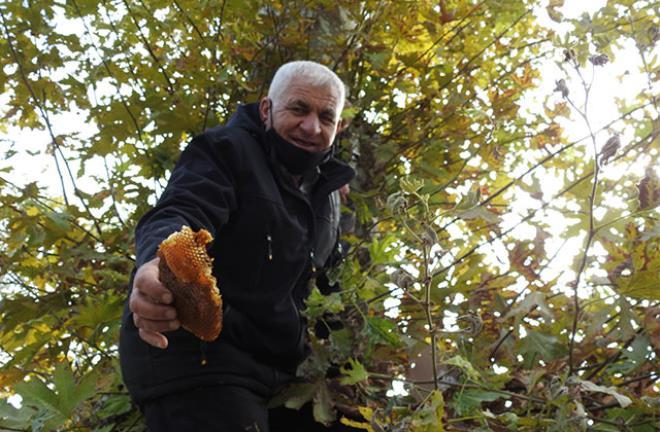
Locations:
(312, 216)
(269, 246)
(299, 195)
(311, 259)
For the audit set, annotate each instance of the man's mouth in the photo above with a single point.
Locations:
(308, 145)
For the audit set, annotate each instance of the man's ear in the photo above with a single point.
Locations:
(264, 111)
(343, 124)
(344, 121)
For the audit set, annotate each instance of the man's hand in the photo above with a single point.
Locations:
(343, 193)
(150, 303)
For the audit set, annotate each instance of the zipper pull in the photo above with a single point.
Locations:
(311, 257)
(269, 242)
(202, 349)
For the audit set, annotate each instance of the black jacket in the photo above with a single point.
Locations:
(270, 238)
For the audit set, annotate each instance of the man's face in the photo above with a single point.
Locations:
(304, 115)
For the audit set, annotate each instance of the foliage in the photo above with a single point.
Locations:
(464, 181)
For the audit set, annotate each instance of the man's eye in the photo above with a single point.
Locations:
(298, 110)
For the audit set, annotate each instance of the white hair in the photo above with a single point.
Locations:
(309, 72)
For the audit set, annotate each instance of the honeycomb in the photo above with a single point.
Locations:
(185, 269)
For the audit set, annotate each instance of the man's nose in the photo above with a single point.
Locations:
(311, 124)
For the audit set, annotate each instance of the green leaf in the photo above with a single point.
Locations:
(384, 330)
(35, 393)
(65, 386)
(349, 112)
(428, 418)
(478, 213)
(318, 304)
(642, 284)
(535, 299)
(115, 405)
(295, 395)
(640, 350)
(323, 409)
(12, 418)
(382, 251)
(59, 222)
(470, 400)
(465, 366)
(471, 199)
(353, 374)
(411, 185)
(342, 342)
(539, 346)
(66, 396)
(95, 313)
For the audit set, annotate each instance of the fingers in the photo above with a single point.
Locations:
(147, 282)
(343, 193)
(155, 325)
(146, 307)
(150, 303)
(149, 297)
(153, 338)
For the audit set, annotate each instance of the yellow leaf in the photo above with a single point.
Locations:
(11, 376)
(31, 261)
(32, 211)
(439, 403)
(355, 424)
(366, 412)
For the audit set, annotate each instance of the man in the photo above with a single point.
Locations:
(266, 187)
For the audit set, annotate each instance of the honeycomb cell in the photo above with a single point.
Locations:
(185, 269)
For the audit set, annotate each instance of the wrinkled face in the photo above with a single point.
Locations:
(305, 115)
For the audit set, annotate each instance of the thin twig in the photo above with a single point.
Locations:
(427, 309)
(190, 21)
(37, 104)
(145, 42)
(113, 192)
(592, 232)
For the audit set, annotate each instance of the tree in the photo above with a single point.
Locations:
(455, 223)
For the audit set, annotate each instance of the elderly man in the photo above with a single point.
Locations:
(266, 187)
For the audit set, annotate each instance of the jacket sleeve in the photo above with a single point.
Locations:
(345, 225)
(330, 321)
(336, 257)
(201, 193)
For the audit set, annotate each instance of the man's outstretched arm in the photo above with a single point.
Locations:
(200, 194)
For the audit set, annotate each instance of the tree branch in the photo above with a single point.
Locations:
(145, 42)
(37, 104)
(190, 21)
